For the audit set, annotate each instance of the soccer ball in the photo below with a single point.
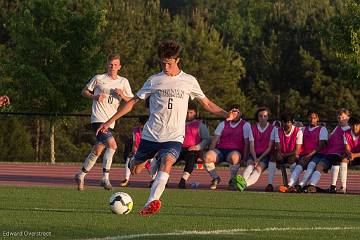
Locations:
(121, 203)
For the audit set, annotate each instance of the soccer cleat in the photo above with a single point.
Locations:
(124, 183)
(182, 184)
(152, 208)
(105, 183)
(332, 189)
(80, 182)
(311, 189)
(269, 188)
(298, 189)
(283, 189)
(214, 183)
(239, 183)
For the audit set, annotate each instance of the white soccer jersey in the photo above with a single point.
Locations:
(169, 96)
(102, 83)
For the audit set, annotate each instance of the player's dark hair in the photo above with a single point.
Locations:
(312, 111)
(234, 106)
(143, 119)
(260, 109)
(192, 106)
(354, 120)
(169, 49)
(287, 117)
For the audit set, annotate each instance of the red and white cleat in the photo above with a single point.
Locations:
(151, 209)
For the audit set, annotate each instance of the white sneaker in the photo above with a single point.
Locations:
(80, 182)
(105, 183)
(342, 190)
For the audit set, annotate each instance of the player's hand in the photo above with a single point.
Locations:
(4, 100)
(100, 98)
(103, 128)
(233, 114)
(256, 161)
(119, 92)
(194, 148)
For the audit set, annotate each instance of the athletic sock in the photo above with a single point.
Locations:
(253, 177)
(210, 168)
(295, 175)
(88, 164)
(334, 174)
(127, 169)
(186, 176)
(309, 171)
(271, 172)
(108, 158)
(158, 186)
(234, 168)
(343, 174)
(248, 170)
(315, 178)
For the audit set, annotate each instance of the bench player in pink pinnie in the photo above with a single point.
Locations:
(315, 137)
(261, 143)
(333, 154)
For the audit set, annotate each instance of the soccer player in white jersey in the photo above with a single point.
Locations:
(106, 91)
(261, 143)
(169, 92)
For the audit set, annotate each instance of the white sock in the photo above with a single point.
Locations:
(234, 168)
(105, 175)
(210, 168)
(292, 167)
(334, 174)
(88, 164)
(343, 174)
(108, 158)
(127, 169)
(310, 169)
(186, 176)
(315, 178)
(295, 175)
(271, 172)
(158, 186)
(248, 170)
(253, 178)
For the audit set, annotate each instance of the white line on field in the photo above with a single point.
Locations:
(226, 232)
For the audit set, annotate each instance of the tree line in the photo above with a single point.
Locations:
(286, 55)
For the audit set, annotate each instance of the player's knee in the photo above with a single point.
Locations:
(209, 156)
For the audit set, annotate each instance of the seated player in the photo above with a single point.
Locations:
(136, 136)
(288, 140)
(230, 143)
(314, 140)
(332, 154)
(197, 138)
(352, 145)
(261, 143)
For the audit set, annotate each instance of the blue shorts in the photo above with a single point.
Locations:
(315, 158)
(102, 137)
(148, 149)
(265, 160)
(329, 160)
(222, 154)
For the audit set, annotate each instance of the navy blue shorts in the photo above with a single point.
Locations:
(102, 137)
(222, 154)
(329, 160)
(148, 149)
(315, 158)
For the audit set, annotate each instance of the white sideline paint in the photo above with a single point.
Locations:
(226, 232)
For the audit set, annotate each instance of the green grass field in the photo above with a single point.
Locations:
(189, 214)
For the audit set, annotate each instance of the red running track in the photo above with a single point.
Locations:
(62, 175)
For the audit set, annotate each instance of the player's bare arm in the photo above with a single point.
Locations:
(88, 94)
(127, 107)
(209, 106)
